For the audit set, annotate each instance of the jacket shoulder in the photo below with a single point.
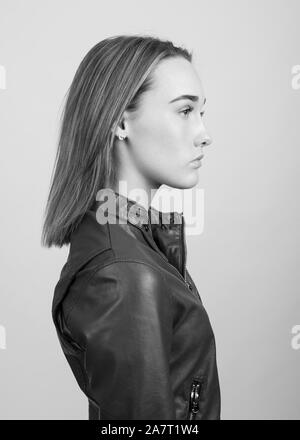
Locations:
(130, 286)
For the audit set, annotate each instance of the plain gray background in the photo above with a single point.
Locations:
(245, 263)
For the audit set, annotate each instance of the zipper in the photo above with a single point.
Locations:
(187, 283)
(183, 277)
(184, 258)
(194, 398)
(184, 248)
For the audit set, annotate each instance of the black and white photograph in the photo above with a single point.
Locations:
(150, 156)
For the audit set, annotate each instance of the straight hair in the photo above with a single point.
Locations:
(110, 79)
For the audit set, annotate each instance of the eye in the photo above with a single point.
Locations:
(189, 109)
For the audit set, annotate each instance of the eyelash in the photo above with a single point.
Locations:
(189, 109)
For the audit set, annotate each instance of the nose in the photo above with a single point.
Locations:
(203, 138)
(206, 140)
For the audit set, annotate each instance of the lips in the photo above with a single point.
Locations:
(198, 158)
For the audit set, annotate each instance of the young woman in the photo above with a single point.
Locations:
(129, 318)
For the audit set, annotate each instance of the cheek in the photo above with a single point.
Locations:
(161, 153)
(160, 146)
(163, 162)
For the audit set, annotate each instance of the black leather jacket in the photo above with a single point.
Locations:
(131, 322)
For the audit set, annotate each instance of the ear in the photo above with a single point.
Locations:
(122, 128)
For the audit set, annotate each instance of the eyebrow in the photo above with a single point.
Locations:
(191, 97)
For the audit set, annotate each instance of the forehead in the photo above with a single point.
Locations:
(174, 77)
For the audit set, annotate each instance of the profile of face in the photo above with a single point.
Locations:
(167, 133)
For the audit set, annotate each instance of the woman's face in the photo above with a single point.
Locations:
(167, 133)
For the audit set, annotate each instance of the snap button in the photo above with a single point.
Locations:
(146, 227)
(190, 286)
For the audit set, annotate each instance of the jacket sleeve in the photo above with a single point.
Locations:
(123, 319)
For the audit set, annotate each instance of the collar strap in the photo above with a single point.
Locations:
(126, 210)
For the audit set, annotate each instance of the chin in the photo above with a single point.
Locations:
(186, 182)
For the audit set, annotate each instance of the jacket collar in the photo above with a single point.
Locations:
(126, 210)
(164, 231)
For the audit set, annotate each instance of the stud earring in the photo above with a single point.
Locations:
(121, 137)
